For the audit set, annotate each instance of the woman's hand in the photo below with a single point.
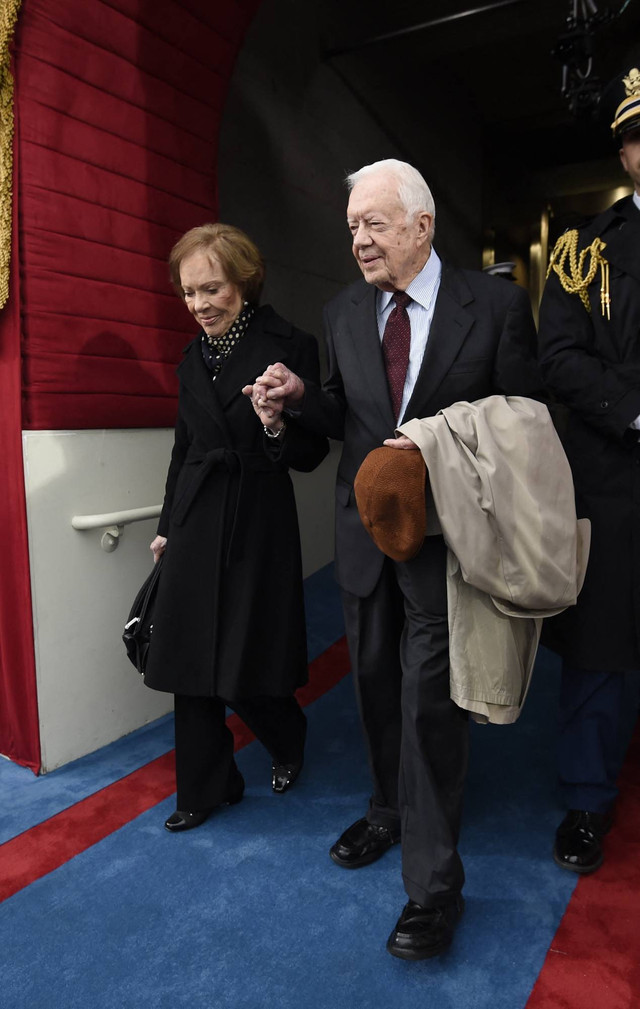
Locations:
(269, 412)
(157, 547)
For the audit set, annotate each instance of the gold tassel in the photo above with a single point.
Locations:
(8, 17)
(605, 298)
(577, 281)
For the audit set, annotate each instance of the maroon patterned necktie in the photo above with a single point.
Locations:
(396, 342)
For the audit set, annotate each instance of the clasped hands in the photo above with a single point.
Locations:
(278, 388)
(271, 392)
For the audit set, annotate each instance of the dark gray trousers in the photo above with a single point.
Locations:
(417, 738)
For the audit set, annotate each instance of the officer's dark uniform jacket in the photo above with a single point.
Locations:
(591, 363)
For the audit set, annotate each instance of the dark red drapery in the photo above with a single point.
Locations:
(19, 730)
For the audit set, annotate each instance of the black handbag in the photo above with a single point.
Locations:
(138, 628)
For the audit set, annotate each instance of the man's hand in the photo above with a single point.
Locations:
(157, 547)
(401, 442)
(283, 386)
(270, 413)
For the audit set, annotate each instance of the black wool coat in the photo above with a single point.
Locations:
(592, 365)
(229, 615)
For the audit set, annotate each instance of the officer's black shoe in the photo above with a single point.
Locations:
(578, 845)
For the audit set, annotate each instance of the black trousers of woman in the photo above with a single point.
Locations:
(206, 772)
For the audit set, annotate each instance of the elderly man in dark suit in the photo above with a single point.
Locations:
(414, 336)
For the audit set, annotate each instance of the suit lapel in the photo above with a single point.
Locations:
(259, 347)
(363, 332)
(196, 377)
(449, 329)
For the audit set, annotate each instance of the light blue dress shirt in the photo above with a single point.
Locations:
(423, 290)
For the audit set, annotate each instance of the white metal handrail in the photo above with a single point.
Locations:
(123, 518)
(114, 522)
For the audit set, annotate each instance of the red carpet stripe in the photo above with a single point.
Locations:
(50, 844)
(594, 958)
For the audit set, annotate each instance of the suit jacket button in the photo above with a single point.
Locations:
(604, 404)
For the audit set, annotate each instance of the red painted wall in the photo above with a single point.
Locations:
(118, 106)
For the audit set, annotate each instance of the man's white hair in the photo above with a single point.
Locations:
(413, 192)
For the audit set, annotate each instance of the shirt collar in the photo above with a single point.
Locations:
(422, 288)
(636, 200)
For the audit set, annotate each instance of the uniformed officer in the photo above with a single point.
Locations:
(589, 345)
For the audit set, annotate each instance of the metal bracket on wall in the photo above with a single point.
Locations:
(111, 538)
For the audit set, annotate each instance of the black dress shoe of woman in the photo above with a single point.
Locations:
(284, 775)
(183, 820)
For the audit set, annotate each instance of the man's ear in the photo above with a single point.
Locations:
(623, 159)
(424, 223)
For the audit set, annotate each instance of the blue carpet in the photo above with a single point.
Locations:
(32, 800)
(248, 911)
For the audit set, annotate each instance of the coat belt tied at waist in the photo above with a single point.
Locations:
(222, 460)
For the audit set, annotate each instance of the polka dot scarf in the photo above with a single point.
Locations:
(216, 348)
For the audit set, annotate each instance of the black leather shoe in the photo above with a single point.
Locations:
(284, 775)
(363, 843)
(422, 932)
(578, 845)
(183, 820)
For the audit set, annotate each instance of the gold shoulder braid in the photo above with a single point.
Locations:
(577, 281)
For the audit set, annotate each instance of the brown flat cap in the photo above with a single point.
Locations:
(390, 494)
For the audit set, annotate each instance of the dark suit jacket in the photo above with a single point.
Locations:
(482, 341)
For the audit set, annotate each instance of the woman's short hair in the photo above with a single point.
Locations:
(238, 256)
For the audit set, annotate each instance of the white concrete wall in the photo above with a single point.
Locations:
(88, 692)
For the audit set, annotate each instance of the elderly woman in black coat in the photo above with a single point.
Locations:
(229, 616)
